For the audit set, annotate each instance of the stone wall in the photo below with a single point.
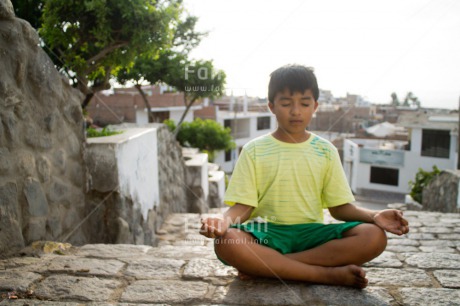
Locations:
(42, 173)
(442, 193)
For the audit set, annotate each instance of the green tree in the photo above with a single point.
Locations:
(167, 64)
(206, 135)
(92, 40)
(30, 10)
(394, 99)
(198, 80)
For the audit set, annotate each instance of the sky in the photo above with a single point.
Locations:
(366, 47)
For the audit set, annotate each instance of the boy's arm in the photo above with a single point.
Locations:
(390, 220)
(216, 227)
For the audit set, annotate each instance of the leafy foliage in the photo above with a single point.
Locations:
(206, 135)
(92, 40)
(91, 132)
(422, 179)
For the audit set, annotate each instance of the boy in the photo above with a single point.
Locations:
(281, 183)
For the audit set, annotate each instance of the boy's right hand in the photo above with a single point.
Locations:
(213, 227)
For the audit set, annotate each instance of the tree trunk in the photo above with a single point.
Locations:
(176, 131)
(88, 98)
(146, 102)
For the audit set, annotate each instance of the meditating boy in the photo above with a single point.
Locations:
(278, 190)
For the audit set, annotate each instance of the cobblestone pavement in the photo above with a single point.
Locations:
(420, 268)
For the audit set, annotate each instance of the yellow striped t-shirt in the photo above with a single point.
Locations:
(288, 183)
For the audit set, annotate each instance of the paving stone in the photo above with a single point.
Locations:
(453, 236)
(448, 278)
(182, 252)
(439, 243)
(255, 293)
(344, 296)
(165, 291)
(432, 249)
(421, 236)
(74, 264)
(405, 241)
(18, 262)
(434, 260)
(436, 230)
(151, 268)
(386, 259)
(200, 268)
(113, 250)
(68, 287)
(430, 296)
(401, 248)
(398, 277)
(17, 280)
(25, 302)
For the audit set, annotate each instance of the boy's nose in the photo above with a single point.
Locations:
(295, 110)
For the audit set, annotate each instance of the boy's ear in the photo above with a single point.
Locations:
(270, 106)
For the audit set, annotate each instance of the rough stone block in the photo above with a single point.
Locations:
(448, 278)
(386, 259)
(398, 277)
(84, 266)
(200, 268)
(154, 268)
(11, 234)
(36, 229)
(344, 296)
(434, 260)
(58, 287)
(6, 10)
(429, 296)
(262, 292)
(17, 280)
(165, 291)
(36, 199)
(113, 250)
(43, 169)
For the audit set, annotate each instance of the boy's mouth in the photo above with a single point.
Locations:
(295, 121)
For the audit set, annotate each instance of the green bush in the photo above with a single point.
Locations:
(206, 135)
(91, 132)
(422, 179)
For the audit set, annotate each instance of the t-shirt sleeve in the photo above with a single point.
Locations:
(336, 190)
(242, 186)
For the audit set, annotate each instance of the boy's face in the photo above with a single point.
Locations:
(293, 111)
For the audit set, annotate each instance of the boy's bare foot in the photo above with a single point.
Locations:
(350, 275)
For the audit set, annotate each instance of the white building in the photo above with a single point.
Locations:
(378, 165)
(245, 126)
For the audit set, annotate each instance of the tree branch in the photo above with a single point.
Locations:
(106, 51)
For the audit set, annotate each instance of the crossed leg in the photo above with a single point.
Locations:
(335, 262)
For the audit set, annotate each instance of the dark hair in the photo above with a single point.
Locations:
(295, 78)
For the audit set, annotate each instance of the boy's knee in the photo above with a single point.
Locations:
(377, 237)
(224, 244)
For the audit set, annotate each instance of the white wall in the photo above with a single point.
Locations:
(136, 155)
(141, 116)
(360, 172)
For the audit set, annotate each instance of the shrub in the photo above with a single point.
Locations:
(91, 132)
(422, 179)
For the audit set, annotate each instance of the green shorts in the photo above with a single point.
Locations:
(296, 237)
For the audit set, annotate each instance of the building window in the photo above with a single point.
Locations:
(435, 143)
(385, 176)
(227, 123)
(228, 155)
(263, 123)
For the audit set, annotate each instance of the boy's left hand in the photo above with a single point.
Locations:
(391, 220)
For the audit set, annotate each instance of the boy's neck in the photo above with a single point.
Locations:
(284, 136)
